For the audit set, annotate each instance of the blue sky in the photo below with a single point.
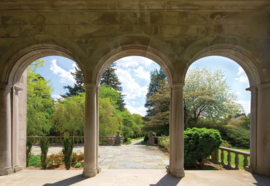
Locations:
(134, 74)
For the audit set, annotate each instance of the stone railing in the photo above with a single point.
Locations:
(215, 158)
(78, 140)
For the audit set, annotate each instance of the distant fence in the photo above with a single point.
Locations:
(78, 140)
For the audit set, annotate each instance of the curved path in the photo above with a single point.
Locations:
(133, 156)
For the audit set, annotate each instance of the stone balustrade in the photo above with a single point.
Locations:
(215, 158)
(153, 140)
(78, 140)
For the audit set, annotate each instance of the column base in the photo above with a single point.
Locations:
(178, 173)
(98, 169)
(90, 173)
(6, 171)
(18, 168)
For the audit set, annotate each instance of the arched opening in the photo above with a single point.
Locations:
(215, 97)
(15, 100)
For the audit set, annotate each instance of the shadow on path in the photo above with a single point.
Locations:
(68, 181)
(167, 180)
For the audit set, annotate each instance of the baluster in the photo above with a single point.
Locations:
(229, 158)
(77, 141)
(245, 161)
(236, 161)
(222, 156)
(61, 140)
(52, 140)
(102, 141)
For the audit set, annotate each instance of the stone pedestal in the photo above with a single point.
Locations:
(5, 131)
(151, 140)
(176, 165)
(118, 139)
(90, 132)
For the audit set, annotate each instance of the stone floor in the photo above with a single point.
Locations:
(133, 177)
(134, 156)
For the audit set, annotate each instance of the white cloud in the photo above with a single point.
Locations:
(131, 89)
(243, 77)
(134, 61)
(245, 105)
(65, 76)
(238, 93)
(136, 110)
(56, 96)
(139, 72)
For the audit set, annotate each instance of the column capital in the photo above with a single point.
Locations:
(176, 86)
(5, 88)
(90, 86)
(251, 89)
(18, 89)
(264, 86)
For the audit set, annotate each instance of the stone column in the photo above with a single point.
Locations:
(253, 129)
(97, 129)
(90, 131)
(15, 129)
(176, 166)
(5, 131)
(263, 130)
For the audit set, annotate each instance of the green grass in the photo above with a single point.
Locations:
(143, 143)
(34, 161)
(241, 157)
(128, 142)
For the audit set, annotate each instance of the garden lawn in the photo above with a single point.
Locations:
(241, 157)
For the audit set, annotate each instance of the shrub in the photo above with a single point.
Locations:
(55, 159)
(164, 141)
(226, 144)
(44, 145)
(34, 161)
(145, 139)
(67, 151)
(78, 165)
(239, 137)
(200, 144)
(29, 144)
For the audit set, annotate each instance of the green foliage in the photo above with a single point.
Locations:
(199, 144)
(164, 141)
(226, 144)
(39, 102)
(34, 161)
(146, 138)
(29, 144)
(143, 143)
(206, 94)
(239, 137)
(78, 165)
(44, 145)
(67, 152)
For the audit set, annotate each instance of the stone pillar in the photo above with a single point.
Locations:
(176, 166)
(15, 129)
(263, 130)
(151, 139)
(5, 131)
(97, 129)
(253, 129)
(90, 131)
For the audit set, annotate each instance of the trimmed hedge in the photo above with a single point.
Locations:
(200, 143)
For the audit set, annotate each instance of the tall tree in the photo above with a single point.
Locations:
(108, 78)
(157, 76)
(40, 105)
(78, 85)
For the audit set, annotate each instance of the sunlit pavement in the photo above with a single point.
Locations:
(134, 156)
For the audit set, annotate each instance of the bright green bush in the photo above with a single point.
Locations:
(44, 145)
(34, 161)
(78, 165)
(199, 144)
(164, 141)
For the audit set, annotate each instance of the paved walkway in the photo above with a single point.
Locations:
(132, 177)
(133, 156)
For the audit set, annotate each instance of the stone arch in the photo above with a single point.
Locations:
(126, 51)
(240, 55)
(22, 59)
